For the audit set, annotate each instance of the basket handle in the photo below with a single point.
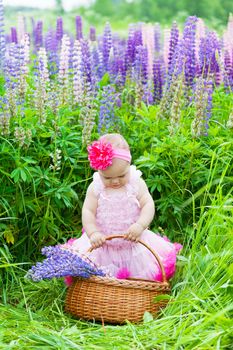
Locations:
(145, 245)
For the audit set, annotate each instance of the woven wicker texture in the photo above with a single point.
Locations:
(114, 300)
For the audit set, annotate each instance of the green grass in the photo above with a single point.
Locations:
(199, 316)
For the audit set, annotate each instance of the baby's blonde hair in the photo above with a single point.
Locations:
(116, 140)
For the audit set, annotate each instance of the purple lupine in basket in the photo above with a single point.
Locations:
(61, 262)
(79, 27)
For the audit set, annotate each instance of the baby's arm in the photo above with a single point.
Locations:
(89, 218)
(147, 213)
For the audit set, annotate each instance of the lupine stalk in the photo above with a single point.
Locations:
(78, 91)
(203, 106)
(63, 75)
(14, 38)
(2, 37)
(107, 117)
(61, 262)
(79, 27)
(107, 44)
(42, 85)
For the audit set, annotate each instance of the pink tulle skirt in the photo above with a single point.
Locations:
(123, 259)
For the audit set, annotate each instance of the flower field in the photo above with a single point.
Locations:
(170, 93)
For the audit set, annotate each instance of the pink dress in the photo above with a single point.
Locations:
(116, 211)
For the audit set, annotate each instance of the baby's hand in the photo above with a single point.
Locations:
(134, 232)
(97, 239)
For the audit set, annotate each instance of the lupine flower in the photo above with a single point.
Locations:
(107, 44)
(158, 79)
(203, 106)
(56, 160)
(78, 83)
(79, 27)
(21, 27)
(174, 37)
(4, 123)
(107, 115)
(230, 121)
(61, 262)
(42, 84)
(63, 75)
(59, 29)
(38, 35)
(14, 38)
(2, 37)
(92, 34)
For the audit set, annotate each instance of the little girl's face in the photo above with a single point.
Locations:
(117, 175)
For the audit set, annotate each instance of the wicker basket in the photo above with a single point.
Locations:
(115, 300)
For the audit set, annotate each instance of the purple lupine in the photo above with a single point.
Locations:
(61, 262)
(188, 45)
(130, 49)
(51, 46)
(158, 78)
(2, 37)
(87, 64)
(107, 117)
(228, 72)
(107, 45)
(97, 61)
(38, 35)
(59, 29)
(140, 71)
(92, 34)
(79, 27)
(208, 51)
(174, 37)
(12, 71)
(14, 38)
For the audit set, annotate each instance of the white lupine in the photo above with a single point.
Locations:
(21, 27)
(42, 84)
(24, 56)
(230, 120)
(148, 42)
(78, 91)
(63, 75)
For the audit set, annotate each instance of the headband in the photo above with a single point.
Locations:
(101, 154)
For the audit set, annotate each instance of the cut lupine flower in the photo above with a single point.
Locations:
(61, 262)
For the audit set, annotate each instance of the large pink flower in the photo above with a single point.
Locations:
(100, 155)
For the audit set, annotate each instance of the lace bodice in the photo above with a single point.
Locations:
(117, 208)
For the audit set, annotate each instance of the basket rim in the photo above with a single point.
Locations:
(126, 283)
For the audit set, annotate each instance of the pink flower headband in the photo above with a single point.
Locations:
(101, 154)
